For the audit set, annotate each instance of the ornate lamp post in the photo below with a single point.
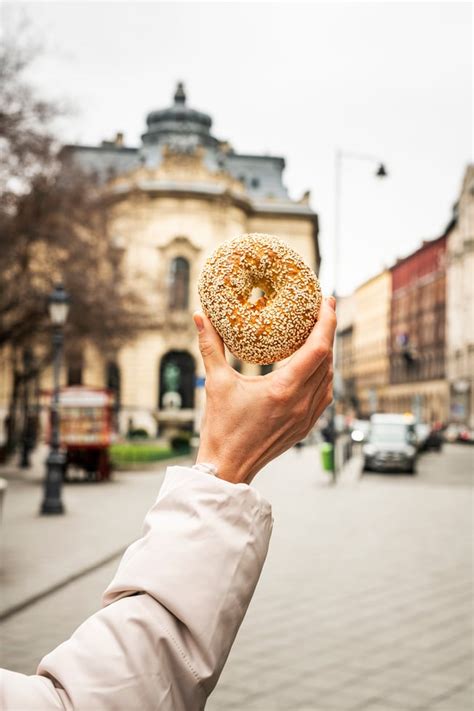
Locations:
(58, 311)
(380, 172)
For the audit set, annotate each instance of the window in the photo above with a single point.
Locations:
(264, 369)
(255, 183)
(74, 374)
(179, 284)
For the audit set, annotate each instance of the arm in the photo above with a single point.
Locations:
(172, 611)
(179, 596)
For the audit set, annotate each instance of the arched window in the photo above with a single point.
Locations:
(177, 377)
(75, 368)
(178, 295)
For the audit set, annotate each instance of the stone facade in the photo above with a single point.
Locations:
(460, 305)
(176, 197)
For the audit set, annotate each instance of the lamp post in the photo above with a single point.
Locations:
(27, 438)
(381, 172)
(58, 310)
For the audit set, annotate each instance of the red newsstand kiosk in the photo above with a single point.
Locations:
(86, 430)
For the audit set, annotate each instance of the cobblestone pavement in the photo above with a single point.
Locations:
(365, 602)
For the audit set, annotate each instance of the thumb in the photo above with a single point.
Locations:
(210, 343)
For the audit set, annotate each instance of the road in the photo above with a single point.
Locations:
(365, 602)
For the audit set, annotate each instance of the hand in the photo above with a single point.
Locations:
(250, 420)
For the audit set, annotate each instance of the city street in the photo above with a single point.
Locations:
(365, 602)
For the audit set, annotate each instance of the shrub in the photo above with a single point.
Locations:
(132, 453)
(138, 433)
(181, 442)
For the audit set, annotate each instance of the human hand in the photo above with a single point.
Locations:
(250, 420)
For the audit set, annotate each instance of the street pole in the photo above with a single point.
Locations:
(381, 172)
(26, 441)
(52, 502)
(332, 429)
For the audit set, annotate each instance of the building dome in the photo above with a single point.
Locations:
(177, 122)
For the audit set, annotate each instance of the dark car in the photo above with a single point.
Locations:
(428, 437)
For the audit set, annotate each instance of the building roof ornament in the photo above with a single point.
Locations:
(180, 94)
(168, 126)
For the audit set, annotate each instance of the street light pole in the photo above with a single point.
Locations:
(381, 172)
(26, 441)
(52, 502)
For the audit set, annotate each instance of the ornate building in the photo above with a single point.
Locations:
(176, 197)
(460, 305)
(418, 334)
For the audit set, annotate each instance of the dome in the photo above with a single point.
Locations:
(178, 121)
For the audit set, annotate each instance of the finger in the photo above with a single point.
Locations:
(317, 346)
(210, 343)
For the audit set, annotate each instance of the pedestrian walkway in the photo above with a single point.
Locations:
(364, 604)
(42, 553)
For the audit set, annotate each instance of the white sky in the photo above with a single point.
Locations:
(298, 80)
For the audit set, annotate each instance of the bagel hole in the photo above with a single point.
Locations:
(256, 294)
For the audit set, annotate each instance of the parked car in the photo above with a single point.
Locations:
(466, 435)
(422, 430)
(435, 439)
(452, 432)
(428, 437)
(391, 444)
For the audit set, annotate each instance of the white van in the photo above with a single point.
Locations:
(391, 443)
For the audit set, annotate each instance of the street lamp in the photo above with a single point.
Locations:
(27, 436)
(381, 172)
(58, 303)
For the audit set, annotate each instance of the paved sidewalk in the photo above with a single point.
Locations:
(364, 604)
(40, 553)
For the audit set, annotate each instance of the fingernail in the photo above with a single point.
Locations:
(198, 321)
(332, 302)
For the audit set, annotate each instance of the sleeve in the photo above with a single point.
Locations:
(170, 614)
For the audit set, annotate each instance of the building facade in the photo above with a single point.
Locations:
(418, 334)
(175, 198)
(344, 381)
(460, 306)
(370, 342)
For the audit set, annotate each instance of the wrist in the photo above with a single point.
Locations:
(225, 468)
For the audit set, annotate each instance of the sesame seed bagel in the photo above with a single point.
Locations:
(272, 326)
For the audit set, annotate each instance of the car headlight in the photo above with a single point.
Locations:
(411, 450)
(369, 450)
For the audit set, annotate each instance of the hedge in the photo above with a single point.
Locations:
(122, 453)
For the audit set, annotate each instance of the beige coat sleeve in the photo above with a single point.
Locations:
(171, 613)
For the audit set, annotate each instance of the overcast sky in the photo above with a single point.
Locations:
(297, 80)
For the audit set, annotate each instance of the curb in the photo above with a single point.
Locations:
(14, 609)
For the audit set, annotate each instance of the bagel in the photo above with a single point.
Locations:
(271, 326)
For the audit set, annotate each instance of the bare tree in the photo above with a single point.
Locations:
(54, 226)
